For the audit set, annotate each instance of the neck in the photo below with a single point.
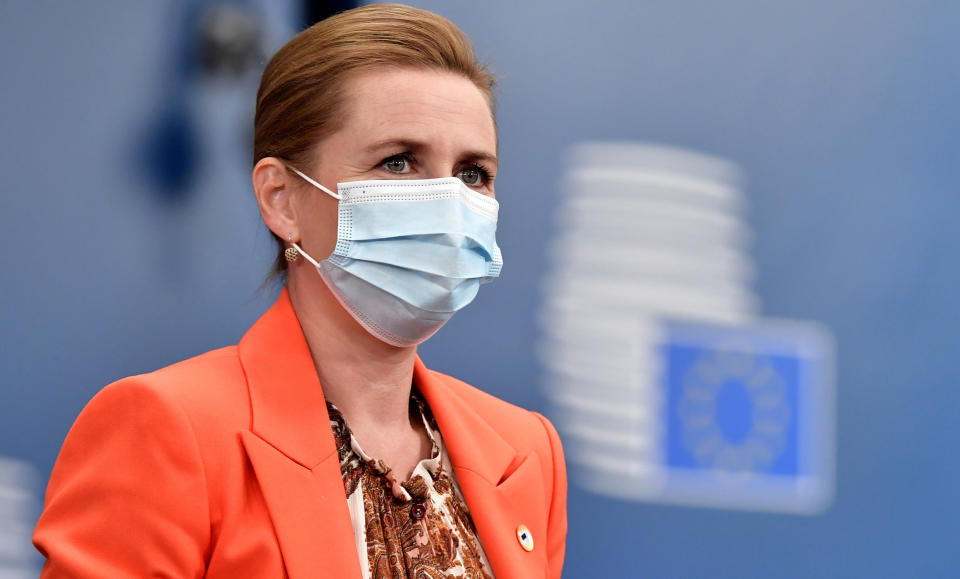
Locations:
(368, 380)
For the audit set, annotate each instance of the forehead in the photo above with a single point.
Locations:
(432, 106)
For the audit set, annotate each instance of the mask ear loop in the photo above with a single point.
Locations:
(305, 254)
(315, 184)
(325, 190)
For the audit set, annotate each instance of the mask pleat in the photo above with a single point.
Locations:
(411, 253)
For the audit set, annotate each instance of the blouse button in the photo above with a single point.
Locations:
(418, 511)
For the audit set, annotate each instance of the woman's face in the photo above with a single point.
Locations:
(398, 124)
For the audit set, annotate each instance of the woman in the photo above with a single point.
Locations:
(320, 445)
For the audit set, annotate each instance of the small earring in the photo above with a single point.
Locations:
(291, 254)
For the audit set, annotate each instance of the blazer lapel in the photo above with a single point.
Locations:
(503, 489)
(292, 450)
(291, 447)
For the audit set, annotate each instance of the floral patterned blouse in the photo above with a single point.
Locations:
(419, 528)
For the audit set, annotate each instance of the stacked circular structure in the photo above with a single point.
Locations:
(646, 234)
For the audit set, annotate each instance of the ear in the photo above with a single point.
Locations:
(273, 186)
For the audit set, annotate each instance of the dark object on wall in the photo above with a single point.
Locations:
(171, 151)
(229, 40)
(316, 10)
(222, 39)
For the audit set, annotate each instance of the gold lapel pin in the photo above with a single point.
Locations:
(525, 537)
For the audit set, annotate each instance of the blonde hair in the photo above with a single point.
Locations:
(301, 91)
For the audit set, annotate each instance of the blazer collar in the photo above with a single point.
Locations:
(471, 441)
(502, 487)
(288, 403)
(292, 450)
(289, 410)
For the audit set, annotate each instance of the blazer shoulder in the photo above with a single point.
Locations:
(131, 489)
(215, 366)
(207, 389)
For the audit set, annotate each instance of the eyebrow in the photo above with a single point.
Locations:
(414, 146)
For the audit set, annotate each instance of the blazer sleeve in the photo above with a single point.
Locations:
(557, 518)
(127, 496)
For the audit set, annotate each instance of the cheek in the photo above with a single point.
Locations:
(318, 226)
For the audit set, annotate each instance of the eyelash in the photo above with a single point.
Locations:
(484, 172)
(405, 156)
(485, 176)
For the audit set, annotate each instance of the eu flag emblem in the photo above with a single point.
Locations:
(747, 415)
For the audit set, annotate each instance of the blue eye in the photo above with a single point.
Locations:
(396, 164)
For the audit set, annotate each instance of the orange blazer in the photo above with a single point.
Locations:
(224, 465)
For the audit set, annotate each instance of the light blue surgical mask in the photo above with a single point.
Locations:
(410, 253)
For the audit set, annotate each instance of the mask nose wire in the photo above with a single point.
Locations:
(314, 183)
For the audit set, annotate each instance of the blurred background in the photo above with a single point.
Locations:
(130, 238)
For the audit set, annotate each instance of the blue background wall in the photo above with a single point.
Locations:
(842, 115)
